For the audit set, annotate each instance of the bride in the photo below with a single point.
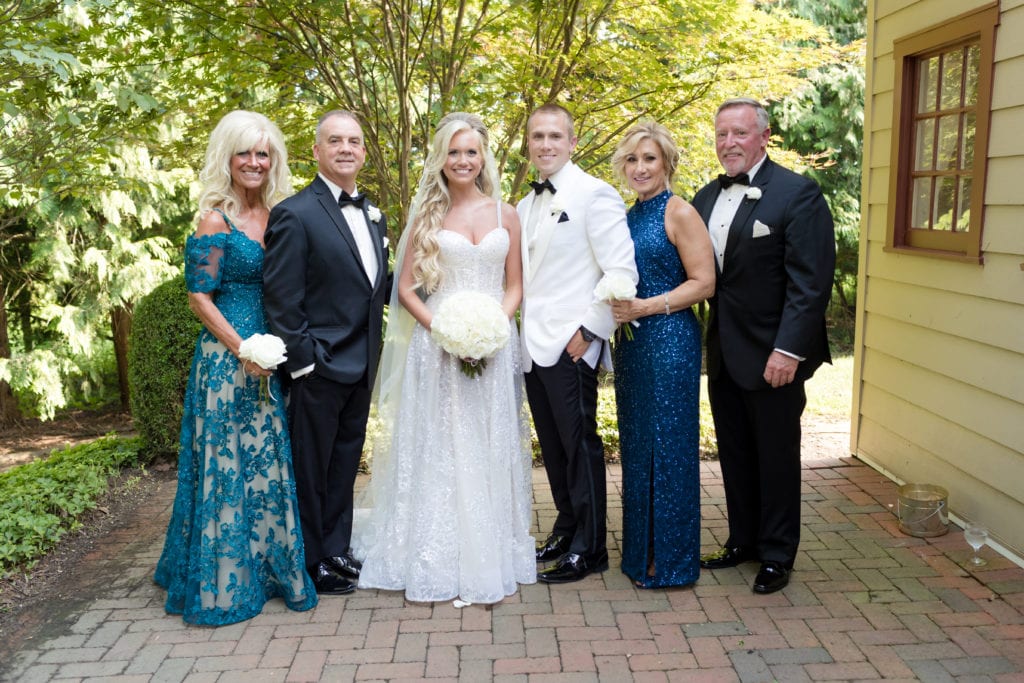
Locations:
(449, 495)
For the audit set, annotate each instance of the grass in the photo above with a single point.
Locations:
(829, 392)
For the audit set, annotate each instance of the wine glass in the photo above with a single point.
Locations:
(976, 535)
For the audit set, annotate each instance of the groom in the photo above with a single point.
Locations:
(575, 233)
(325, 283)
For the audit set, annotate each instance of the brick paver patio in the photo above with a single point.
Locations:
(866, 603)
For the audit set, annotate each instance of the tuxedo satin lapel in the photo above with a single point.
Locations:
(524, 246)
(545, 231)
(334, 211)
(739, 223)
(378, 244)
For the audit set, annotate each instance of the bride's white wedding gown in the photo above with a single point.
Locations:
(450, 514)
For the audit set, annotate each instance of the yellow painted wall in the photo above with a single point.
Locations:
(939, 358)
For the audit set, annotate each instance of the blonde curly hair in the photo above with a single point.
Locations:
(236, 132)
(433, 199)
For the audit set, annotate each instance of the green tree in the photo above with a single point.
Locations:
(824, 121)
(84, 205)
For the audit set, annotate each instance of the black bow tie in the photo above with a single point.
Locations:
(347, 200)
(726, 180)
(540, 187)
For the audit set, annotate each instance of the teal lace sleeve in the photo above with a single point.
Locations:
(203, 257)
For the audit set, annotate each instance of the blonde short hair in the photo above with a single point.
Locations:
(659, 135)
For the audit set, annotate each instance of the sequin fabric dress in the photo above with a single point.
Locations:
(453, 516)
(234, 540)
(657, 391)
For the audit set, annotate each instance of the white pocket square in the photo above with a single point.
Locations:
(760, 230)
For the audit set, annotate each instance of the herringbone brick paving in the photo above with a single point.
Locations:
(866, 603)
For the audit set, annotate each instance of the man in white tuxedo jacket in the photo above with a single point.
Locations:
(574, 234)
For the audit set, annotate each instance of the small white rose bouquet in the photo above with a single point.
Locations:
(472, 327)
(374, 213)
(753, 193)
(266, 351)
(617, 287)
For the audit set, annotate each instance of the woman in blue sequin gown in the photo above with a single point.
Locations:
(234, 540)
(657, 373)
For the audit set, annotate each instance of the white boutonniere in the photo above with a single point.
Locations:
(374, 213)
(753, 193)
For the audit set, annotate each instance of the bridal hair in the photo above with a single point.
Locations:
(240, 131)
(656, 133)
(433, 200)
(759, 110)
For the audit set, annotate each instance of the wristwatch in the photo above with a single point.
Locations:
(588, 336)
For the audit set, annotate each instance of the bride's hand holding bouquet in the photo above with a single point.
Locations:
(472, 327)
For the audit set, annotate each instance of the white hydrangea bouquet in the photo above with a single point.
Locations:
(472, 327)
(266, 351)
(617, 287)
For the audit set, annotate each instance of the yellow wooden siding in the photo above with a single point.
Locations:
(939, 357)
(963, 360)
(971, 454)
(969, 497)
(975, 293)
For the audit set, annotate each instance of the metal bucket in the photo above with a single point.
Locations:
(922, 509)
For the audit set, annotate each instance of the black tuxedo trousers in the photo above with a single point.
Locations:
(563, 400)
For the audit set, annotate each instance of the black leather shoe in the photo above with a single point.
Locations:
(329, 582)
(573, 567)
(346, 565)
(553, 548)
(727, 557)
(772, 577)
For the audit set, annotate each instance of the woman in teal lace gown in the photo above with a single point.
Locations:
(657, 373)
(234, 540)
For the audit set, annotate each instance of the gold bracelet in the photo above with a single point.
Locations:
(668, 311)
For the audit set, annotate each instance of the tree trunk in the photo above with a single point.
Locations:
(9, 413)
(121, 324)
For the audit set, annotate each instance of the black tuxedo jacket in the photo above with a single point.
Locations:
(775, 287)
(316, 292)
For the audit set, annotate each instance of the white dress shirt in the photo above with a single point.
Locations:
(724, 211)
(356, 220)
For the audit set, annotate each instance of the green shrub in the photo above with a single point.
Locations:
(164, 332)
(41, 500)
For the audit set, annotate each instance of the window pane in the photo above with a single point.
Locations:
(971, 84)
(952, 75)
(949, 142)
(967, 155)
(922, 195)
(944, 195)
(924, 145)
(963, 223)
(929, 84)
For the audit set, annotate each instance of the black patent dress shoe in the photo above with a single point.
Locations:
(772, 577)
(573, 567)
(727, 557)
(329, 582)
(553, 548)
(346, 565)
